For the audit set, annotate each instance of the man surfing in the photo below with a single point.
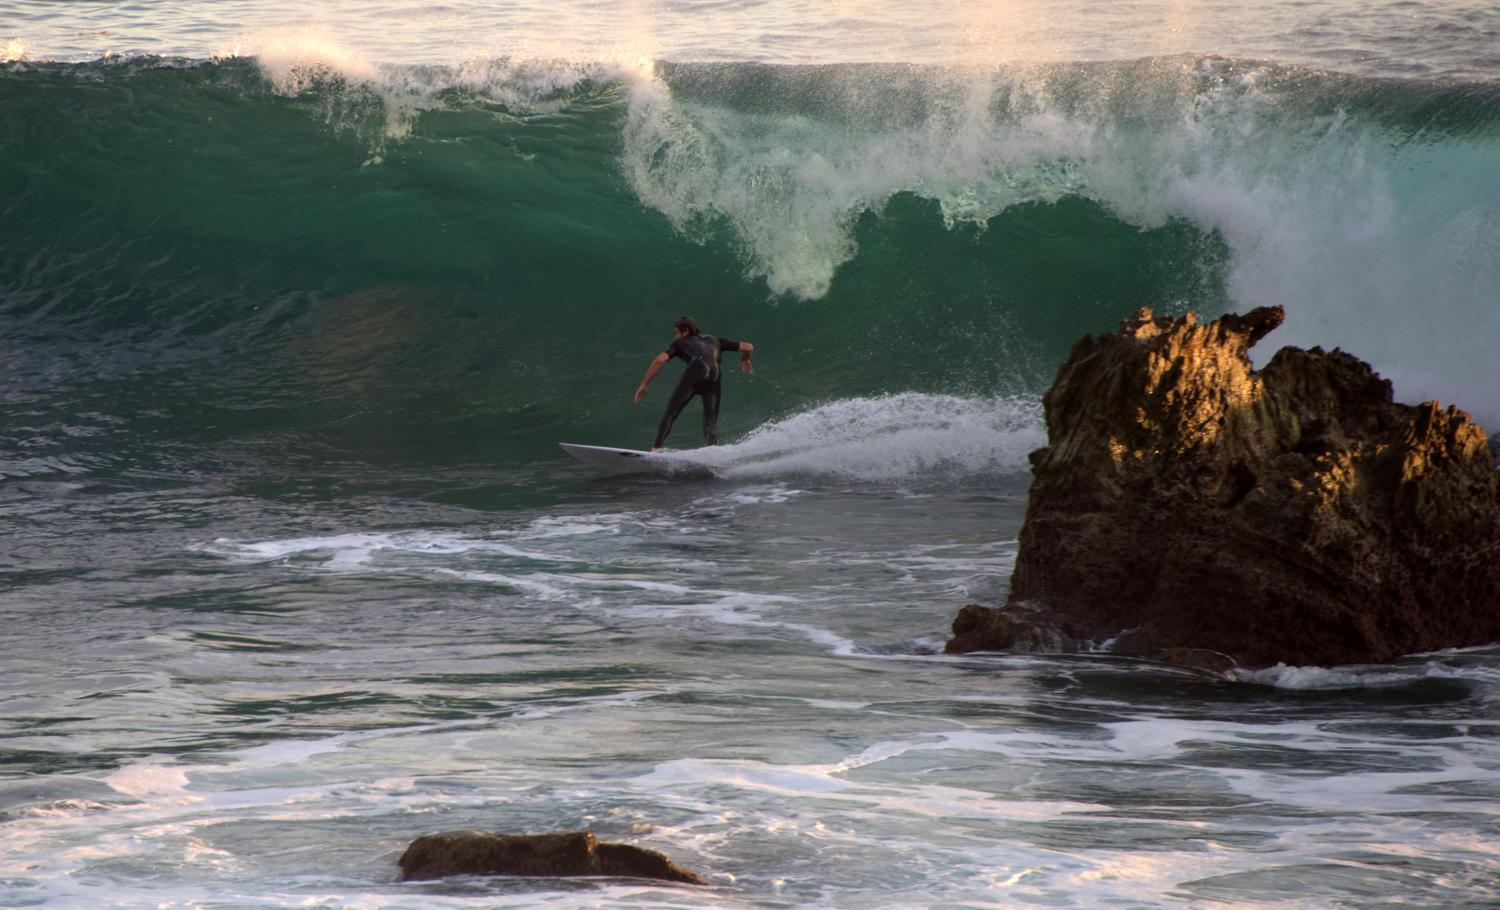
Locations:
(701, 353)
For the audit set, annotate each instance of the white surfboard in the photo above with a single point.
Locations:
(613, 460)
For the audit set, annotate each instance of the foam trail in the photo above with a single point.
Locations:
(910, 436)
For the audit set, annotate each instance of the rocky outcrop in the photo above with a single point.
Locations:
(569, 853)
(1196, 510)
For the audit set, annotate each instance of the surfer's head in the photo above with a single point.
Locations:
(685, 326)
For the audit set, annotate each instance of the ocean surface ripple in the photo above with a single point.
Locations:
(294, 309)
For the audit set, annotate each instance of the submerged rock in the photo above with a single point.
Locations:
(1196, 510)
(568, 853)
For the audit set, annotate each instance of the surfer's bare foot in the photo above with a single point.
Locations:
(655, 450)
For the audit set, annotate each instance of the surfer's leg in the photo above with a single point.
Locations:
(710, 394)
(680, 397)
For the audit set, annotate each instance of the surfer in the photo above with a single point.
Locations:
(701, 353)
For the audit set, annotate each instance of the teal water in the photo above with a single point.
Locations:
(293, 314)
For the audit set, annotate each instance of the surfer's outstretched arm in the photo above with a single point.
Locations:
(651, 371)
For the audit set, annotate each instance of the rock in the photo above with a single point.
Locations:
(1198, 511)
(567, 853)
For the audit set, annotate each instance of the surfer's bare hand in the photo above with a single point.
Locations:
(640, 394)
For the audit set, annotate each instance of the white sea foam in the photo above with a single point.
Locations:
(548, 527)
(836, 781)
(745, 610)
(152, 778)
(771, 494)
(349, 551)
(746, 819)
(611, 592)
(1288, 677)
(1452, 664)
(909, 436)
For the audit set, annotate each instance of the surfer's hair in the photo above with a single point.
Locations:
(687, 324)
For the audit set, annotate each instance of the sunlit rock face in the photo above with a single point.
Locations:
(569, 853)
(1191, 508)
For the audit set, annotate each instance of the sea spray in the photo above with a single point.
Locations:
(923, 440)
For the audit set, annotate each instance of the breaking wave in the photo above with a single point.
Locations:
(481, 257)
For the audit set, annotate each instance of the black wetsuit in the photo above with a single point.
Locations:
(701, 352)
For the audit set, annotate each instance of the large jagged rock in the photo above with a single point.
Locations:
(568, 853)
(1198, 511)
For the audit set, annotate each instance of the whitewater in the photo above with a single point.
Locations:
(295, 306)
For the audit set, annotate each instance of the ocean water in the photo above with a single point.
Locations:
(295, 306)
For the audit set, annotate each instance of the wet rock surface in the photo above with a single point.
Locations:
(569, 853)
(1192, 509)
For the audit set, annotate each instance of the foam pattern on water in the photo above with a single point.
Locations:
(723, 670)
(1265, 811)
